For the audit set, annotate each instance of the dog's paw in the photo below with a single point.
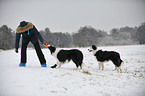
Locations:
(54, 66)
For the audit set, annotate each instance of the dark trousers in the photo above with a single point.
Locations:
(37, 49)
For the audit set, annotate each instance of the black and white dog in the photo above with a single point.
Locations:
(103, 56)
(62, 56)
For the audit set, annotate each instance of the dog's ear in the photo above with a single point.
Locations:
(94, 47)
(51, 48)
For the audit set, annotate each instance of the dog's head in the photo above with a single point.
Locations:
(51, 48)
(92, 48)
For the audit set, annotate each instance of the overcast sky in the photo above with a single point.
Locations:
(70, 15)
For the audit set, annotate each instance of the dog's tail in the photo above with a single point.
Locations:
(121, 63)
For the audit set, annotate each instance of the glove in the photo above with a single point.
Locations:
(16, 50)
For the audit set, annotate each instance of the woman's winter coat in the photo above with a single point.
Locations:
(29, 33)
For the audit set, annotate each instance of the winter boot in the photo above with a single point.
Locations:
(43, 65)
(22, 64)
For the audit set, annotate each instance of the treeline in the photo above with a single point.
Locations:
(7, 37)
(85, 36)
(57, 39)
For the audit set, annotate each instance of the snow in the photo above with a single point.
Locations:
(33, 80)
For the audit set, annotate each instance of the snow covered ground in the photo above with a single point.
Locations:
(34, 80)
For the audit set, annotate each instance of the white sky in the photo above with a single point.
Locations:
(70, 15)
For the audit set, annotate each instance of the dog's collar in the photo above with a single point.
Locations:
(94, 52)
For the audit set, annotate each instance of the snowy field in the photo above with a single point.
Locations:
(34, 80)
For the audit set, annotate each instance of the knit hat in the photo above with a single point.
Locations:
(23, 23)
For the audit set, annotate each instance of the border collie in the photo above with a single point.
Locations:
(62, 56)
(103, 56)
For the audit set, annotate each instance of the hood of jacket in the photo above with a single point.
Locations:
(21, 29)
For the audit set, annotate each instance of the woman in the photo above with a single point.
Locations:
(29, 33)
